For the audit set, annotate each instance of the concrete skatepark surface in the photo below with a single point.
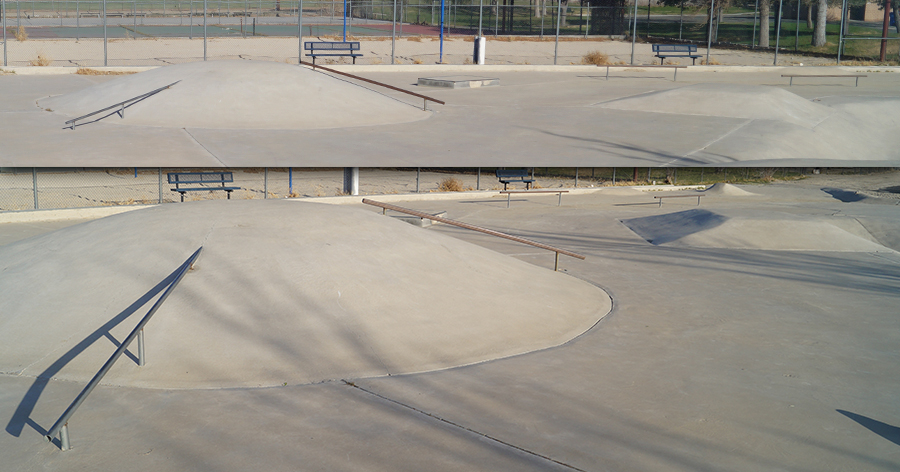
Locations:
(367, 296)
(712, 359)
(567, 114)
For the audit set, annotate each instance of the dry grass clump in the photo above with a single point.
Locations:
(88, 71)
(450, 184)
(596, 58)
(20, 34)
(416, 39)
(41, 61)
(712, 62)
(417, 61)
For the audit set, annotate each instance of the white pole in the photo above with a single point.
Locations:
(204, 30)
(393, 30)
(712, 14)
(300, 31)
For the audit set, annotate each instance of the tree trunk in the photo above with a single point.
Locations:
(562, 12)
(764, 12)
(809, 15)
(819, 32)
(897, 15)
(537, 8)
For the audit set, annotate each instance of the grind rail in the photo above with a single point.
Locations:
(425, 98)
(558, 251)
(121, 105)
(61, 426)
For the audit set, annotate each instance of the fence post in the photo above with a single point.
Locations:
(204, 30)
(478, 180)
(4, 33)
(160, 185)
(34, 186)
(417, 178)
(265, 182)
(105, 63)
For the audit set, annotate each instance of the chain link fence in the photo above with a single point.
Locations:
(30, 189)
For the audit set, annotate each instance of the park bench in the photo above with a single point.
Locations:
(202, 182)
(332, 48)
(857, 76)
(558, 192)
(676, 50)
(508, 176)
(660, 197)
(642, 67)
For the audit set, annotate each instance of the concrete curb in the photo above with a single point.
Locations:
(31, 216)
(53, 70)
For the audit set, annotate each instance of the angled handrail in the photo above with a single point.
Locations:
(425, 98)
(61, 425)
(122, 105)
(558, 251)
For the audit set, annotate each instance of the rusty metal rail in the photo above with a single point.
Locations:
(425, 98)
(558, 251)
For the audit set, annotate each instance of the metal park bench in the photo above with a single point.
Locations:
(200, 179)
(660, 197)
(558, 192)
(332, 48)
(508, 176)
(676, 50)
(857, 76)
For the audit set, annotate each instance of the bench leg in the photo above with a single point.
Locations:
(661, 60)
(228, 192)
(660, 203)
(507, 199)
(182, 196)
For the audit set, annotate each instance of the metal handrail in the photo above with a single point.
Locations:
(558, 251)
(61, 425)
(424, 97)
(122, 105)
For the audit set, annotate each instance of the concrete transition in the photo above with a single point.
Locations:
(729, 190)
(774, 124)
(764, 230)
(238, 94)
(284, 292)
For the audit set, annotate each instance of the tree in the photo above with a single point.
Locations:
(764, 11)
(818, 39)
(607, 16)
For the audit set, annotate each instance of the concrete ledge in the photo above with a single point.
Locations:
(67, 214)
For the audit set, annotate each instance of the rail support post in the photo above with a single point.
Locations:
(141, 358)
(556, 263)
(64, 437)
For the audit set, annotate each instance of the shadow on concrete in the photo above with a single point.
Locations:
(846, 196)
(891, 433)
(22, 415)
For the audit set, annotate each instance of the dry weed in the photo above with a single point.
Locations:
(417, 61)
(450, 184)
(712, 62)
(88, 71)
(416, 39)
(20, 34)
(41, 61)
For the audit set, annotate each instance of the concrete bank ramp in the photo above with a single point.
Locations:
(768, 230)
(727, 190)
(238, 94)
(283, 292)
(755, 102)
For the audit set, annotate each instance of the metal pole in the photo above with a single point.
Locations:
(204, 30)
(291, 180)
(681, 21)
(393, 30)
(105, 39)
(159, 170)
(34, 186)
(480, 13)
(755, 18)
(841, 34)
(712, 14)
(141, 358)
(4, 33)
(478, 180)
(633, 32)
(797, 28)
(64, 437)
(441, 56)
(558, 15)
(77, 20)
(778, 30)
(299, 31)
(265, 182)
(576, 177)
(614, 175)
(190, 21)
(345, 20)
(417, 178)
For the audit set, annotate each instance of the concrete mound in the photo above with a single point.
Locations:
(238, 95)
(728, 190)
(768, 231)
(755, 102)
(283, 292)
